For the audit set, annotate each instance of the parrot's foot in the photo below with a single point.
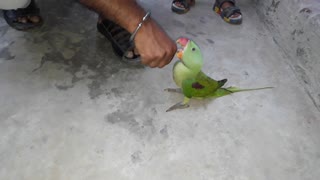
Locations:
(175, 90)
(180, 105)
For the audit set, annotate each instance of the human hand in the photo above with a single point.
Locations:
(155, 47)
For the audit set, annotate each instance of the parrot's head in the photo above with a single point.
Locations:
(189, 53)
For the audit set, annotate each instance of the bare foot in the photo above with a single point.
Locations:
(32, 19)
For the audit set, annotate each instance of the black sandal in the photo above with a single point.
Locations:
(185, 3)
(12, 16)
(120, 40)
(226, 13)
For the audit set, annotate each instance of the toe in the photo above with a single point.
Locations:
(23, 20)
(178, 4)
(34, 19)
(129, 54)
(236, 15)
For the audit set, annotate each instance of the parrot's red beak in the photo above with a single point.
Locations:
(182, 41)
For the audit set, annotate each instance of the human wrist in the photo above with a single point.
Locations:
(128, 16)
(134, 20)
(144, 20)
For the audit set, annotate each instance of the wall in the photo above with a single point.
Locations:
(295, 25)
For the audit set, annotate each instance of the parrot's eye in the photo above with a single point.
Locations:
(193, 49)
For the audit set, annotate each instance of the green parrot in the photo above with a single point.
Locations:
(192, 81)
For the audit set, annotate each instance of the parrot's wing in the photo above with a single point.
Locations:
(197, 85)
(207, 81)
(201, 86)
(193, 88)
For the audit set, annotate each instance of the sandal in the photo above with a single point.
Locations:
(120, 40)
(12, 17)
(226, 13)
(184, 8)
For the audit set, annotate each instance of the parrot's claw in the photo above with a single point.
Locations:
(175, 90)
(179, 105)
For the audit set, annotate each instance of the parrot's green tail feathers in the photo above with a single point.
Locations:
(226, 91)
(235, 89)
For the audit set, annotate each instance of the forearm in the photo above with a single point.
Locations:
(126, 13)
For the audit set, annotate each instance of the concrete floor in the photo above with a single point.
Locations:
(71, 110)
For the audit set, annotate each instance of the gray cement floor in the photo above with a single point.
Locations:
(70, 110)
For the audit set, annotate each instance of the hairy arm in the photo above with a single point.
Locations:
(126, 13)
(154, 46)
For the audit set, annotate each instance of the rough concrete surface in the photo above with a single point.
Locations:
(295, 26)
(71, 110)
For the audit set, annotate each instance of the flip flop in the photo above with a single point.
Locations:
(12, 17)
(120, 40)
(185, 3)
(226, 13)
